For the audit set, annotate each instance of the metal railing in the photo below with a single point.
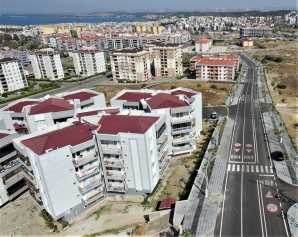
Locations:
(180, 129)
(90, 186)
(93, 198)
(85, 159)
(87, 173)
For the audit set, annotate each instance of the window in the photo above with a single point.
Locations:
(161, 130)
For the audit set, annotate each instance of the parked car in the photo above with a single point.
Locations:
(277, 155)
(214, 115)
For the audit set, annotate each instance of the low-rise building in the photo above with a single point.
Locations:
(12, 181)
(255, 32)
(46, 63)
(130, 64)
(246, 42)
(203, 45)
(12, 75)
(88, 62)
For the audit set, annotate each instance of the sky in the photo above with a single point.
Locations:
(88, 6)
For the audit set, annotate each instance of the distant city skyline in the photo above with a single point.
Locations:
(79, 6)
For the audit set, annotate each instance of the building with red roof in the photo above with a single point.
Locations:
(86, 162)
(182, 107)
(203, 45)
(12, 182)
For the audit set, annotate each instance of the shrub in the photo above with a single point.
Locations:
(281, 86)
(268, 57)
(199, 85)
(272, 84)
(278, 59)
(173, 87)
(213, 86)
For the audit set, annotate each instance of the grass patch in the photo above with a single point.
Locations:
(67, 65)
(101, 210)
(126, 209)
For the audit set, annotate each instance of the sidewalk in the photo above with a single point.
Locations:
(292, 216)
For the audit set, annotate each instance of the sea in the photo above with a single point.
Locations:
(20, 20)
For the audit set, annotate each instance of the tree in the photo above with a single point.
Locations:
(7, 37)
(15, 37)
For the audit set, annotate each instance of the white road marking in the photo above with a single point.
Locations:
(257, 169)
(247, 168)
(252, 168)
(260, 209)
(266, 175)
(280, 204)
(233, 167)
(241, 204)
(263, 210)
(238, 168)
(229, 167)
(266, 169)
(243, 168)
(261, 168)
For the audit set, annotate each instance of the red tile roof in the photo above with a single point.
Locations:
(51, 105)
(82, 96)
(2, 135)
(182, 92)
(19, 106)
(72, 135)
(216, 62)
(95, 112)
(134, 96)
(203, 41)
(125, 124)
(164, 100)
(167, 203)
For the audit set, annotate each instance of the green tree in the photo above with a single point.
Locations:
(15, 37)
(187, 233)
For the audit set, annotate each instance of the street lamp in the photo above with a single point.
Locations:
(206, 190)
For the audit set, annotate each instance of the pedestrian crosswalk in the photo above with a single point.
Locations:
(250, 168)
(247, 99)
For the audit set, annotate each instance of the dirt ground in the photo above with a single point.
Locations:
(214, 97)
(111, 91)
(283, 73)
(268, 43)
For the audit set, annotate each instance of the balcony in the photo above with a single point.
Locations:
(36, 200)
(163, 169)
(89, 200)
(91, 186)
(28, 174)
(161, 146)
(25, 161)
(162, 156)
(186, 129)
(13, 179)
(86, 159)
(8, 155)
(185, 139)
(181, 119)
(182, 149)
(118, 163)
(117, 188)
(114, 174)
(7, 168)
(111, 149)
(87, 173)
(18, 192)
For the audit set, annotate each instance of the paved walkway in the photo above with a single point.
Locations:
(292, 216)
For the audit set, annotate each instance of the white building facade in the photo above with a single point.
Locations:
(12, 75)
(46, 63)
(88, 62)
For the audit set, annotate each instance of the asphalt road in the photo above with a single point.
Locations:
(253, 196)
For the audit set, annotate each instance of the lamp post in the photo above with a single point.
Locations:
(206, 190)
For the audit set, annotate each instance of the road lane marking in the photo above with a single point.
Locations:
(266, 175)
(257, 169)
(261, 168)
(252, 168)
(260, 209)
(243, 168)
(266, 169)
(247, 168)
(233, 167)
(238, 168)
(229, 167)
(263, 210)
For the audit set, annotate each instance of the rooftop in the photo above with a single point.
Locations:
(164, 100)
(82, 96)
(203, 41)
(72, 135)
(125, 124)
(51, 105)
(2, 135)
(216, 62)
(5, 60)
(134, 96)
(182, 92)
(88, 51)
(95, 112)
(128, 50)
(18, 107)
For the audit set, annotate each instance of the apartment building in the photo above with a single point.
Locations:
(20, 55)
(215, 67)
(30, 115)
(203, 45)
(66, 43)
(88, 62)
(130, 64)
(46, 63)
(12, 75)
(182, 108)
(12, 181)
(116, 155)
(255, 32)
(115, 43)
(167, 59)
